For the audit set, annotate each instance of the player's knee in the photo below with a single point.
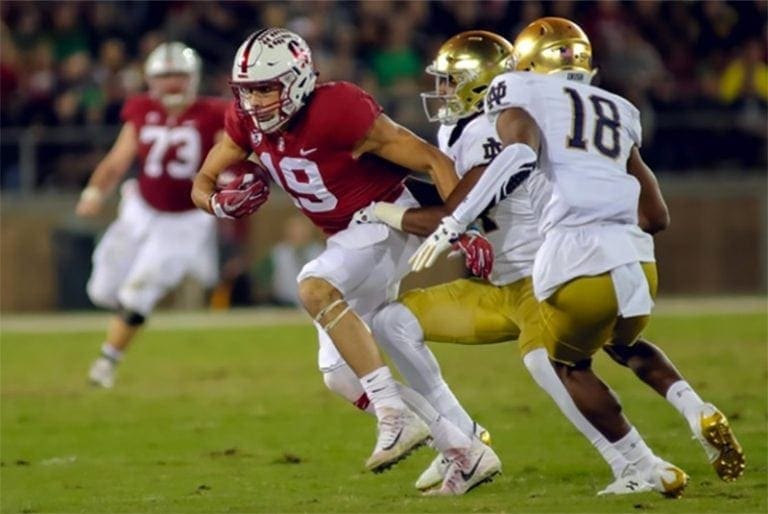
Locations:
(131, 317)
(316, 294)
(619, 353)
(396, 324)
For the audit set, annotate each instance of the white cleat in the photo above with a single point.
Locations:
(468, 468)
(630, 482)
(667, 479)
(399, 433)
(716, 437)
(102, 373)
(435, 472)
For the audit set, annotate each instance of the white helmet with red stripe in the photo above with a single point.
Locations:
(171, 59)
(279, 57)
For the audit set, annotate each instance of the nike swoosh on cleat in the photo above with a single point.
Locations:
(387, 448)
(467, 476)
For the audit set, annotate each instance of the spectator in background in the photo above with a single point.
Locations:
(278, 272)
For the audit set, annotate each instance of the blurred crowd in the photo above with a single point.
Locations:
(697, 70)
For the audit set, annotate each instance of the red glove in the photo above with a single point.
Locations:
(478, 252)
(241, 197)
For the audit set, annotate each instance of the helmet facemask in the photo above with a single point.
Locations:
(268, 58)
(463, 69)
(171, 59)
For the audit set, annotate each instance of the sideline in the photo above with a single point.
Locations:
(271, 316)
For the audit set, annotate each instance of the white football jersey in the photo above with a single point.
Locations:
(473, 142)
(589, 215)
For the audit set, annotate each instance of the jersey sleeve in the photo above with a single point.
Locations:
(236, 129)
(133, 109)
(506, 91)
(477, 147)
(348, 113)
(633, 126)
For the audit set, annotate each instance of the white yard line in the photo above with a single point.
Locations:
(268, 316)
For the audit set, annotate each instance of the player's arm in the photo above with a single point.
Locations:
(225, 153)
(520, 138)
(397, 144)
(423, 221)
(653, 214)
(109, 171)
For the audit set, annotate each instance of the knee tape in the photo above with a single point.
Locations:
(335, 321)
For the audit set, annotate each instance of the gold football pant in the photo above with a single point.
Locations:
(581, 317)
(473, 311)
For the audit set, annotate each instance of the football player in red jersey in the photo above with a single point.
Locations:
(330, 147)
(159, 236)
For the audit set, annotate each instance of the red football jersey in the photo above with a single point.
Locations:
(172, 149)
(312, 160)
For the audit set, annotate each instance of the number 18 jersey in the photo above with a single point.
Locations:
(589, 217)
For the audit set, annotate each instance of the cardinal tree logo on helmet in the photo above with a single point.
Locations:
(268, 58)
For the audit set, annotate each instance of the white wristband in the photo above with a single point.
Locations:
(390, 213)
(91, 194)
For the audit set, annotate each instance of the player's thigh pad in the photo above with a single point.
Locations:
(116, 251)
(526, 314)
(579, 318)
(627, 330)
(465, 311)
(172, 249)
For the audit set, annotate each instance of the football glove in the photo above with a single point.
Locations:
(477, 251)
(241, 197)
(438, 242)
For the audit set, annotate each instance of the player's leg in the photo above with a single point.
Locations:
(462, 311)
(707, 423)
(522, 303)
(326, 287)
(575, 330)
(112, 260)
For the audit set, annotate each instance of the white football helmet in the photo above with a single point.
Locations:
(273, 56)
(171, 58)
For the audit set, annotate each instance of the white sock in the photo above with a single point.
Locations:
(382, 390)
(634, 449)
(543, 373)
(399, 334)
(111, 353)
(344, 382)
(683, 398)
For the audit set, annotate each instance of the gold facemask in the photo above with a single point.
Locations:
(553, 45)
(464, 67)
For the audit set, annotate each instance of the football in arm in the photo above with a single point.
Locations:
(242, 175)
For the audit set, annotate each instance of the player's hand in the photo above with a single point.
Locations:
(90, 203)
(438, 242)
(477, 251)
(365, 215)
(242, 197)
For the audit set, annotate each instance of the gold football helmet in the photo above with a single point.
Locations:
(553, 45)
(464, 67)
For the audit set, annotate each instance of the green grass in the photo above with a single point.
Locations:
(238, 420)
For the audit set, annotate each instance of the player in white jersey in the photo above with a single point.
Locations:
(594, 274)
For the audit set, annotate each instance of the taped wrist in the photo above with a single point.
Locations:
(390, 213)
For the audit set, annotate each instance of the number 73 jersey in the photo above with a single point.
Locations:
(587, 135)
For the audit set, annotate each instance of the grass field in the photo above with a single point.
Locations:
(237, 419)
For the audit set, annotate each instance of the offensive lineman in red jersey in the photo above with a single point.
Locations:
(159, 236)
(334, 152)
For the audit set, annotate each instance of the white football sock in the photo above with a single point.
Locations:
(382, 390)
(445, 434)
(111, 353)
(634, 449)
(399, 334)
(683, 398)
(344, 382)
(543, 373)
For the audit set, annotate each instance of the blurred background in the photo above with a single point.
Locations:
(698, 72)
